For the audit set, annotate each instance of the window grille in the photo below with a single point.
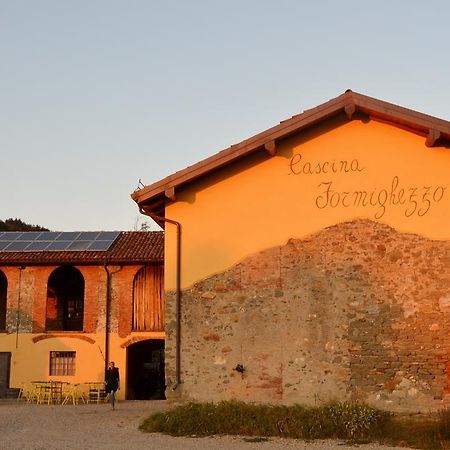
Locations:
(62, 363)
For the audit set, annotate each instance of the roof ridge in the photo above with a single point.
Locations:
(152, 197)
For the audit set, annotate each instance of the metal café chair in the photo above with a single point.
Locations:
(27, 392)
(96, 392)
(56, 391)
(74, 394)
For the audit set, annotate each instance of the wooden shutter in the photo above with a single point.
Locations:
(148, 299)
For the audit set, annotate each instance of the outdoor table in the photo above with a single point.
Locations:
(46, 391)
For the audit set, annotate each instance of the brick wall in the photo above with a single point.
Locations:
(357, 311)
(27, 292)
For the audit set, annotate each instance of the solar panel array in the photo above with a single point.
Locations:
(56, 241)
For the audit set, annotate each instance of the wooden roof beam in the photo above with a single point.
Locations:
(271, 148)
(433, 136)
(170, 193)
(350, 110)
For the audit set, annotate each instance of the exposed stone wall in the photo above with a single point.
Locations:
(356, 311)
(19, 305)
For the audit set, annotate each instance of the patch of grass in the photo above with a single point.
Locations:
(422, 431)
(353, 422)
(344, 420)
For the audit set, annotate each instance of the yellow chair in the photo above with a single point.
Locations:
(74, 394)
(37, 392)
(27, 392)
(44, 393)
(96, 392)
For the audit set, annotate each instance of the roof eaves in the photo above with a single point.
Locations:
(350, 102)
(400, 115)
(242, 149)
(131, 247)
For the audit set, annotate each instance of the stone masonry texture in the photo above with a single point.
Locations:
(356, 311)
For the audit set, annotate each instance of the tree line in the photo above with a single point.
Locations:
(18, 225)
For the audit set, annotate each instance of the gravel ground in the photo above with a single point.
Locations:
(42, 427)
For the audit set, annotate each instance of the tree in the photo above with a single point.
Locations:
(18, 225)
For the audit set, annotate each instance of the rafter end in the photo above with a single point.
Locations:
(271, 148)
(170, 194)
(350, 110)
(433, 136)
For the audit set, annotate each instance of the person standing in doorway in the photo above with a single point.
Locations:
(112, 382)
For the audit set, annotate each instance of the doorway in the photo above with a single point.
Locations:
(5, 364)
(145, 370)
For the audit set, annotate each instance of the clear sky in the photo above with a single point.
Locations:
(97, 94)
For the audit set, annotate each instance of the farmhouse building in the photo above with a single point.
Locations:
(72, 301)
(311, 262)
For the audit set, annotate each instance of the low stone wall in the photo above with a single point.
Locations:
(357, 311)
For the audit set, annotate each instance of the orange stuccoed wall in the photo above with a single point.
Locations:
(322, 271)
(265, 201)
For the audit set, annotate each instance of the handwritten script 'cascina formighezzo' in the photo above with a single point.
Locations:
(412, 199)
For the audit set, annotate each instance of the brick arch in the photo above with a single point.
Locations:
(41, 337)
(135, 339)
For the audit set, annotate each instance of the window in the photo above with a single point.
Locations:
(62, 363)
(148, 299)
(65, 300)
(3, 290)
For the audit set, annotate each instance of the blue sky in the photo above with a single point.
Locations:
(95, 95)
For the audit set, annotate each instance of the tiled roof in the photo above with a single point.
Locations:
(130, 247)
(152, 198)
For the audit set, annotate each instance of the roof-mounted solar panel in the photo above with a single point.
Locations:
(57, 246)
(78, 245)
(28, 236)
(17, 246)
(68, 236)
(10, 235)
(37, 246)
(108, 235)
(48, 235)
(100, 245)
(88, 236)
(57, 241)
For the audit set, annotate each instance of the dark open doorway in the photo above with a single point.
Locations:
(145, 370)
(65, 300)
(5, 365)
(3, 291)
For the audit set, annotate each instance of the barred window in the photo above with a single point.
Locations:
(62, 363)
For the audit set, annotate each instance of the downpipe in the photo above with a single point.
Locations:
(177, 294)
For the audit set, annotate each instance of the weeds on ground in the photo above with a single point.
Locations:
(353, 422)
(345, 420)
(421, 431)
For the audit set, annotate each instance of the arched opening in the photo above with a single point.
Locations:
(65, 300)
(3, 296)
(145, 370)
(148, 299)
